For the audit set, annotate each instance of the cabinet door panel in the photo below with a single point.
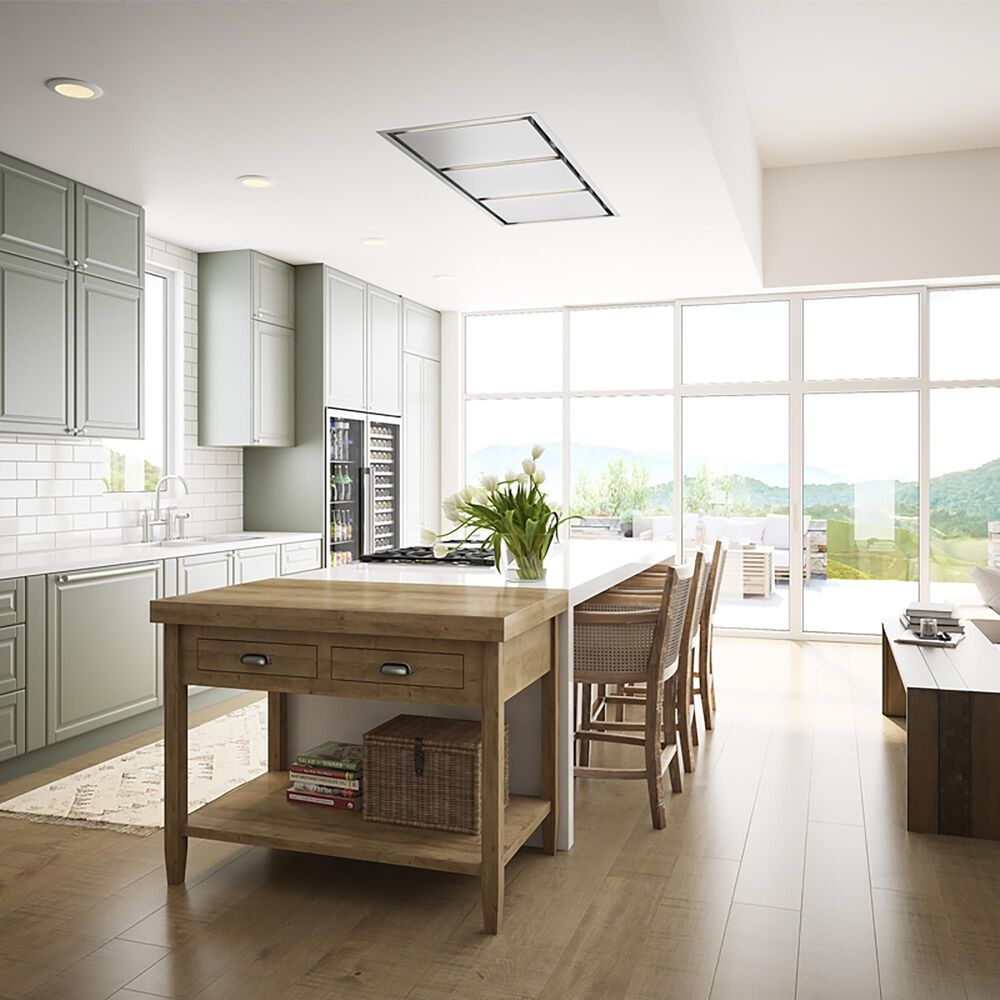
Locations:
(273, 385)
(11, 725)
(345, 342)
(208, 572)
(421, 330)
(109, 348)
(36, 346)
(273, 291)
(103, 656)
(384, 352)
(36, 212)
(109, 237)
(11, 658)
(255, 564)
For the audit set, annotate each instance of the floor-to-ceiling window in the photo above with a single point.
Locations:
(843, 443)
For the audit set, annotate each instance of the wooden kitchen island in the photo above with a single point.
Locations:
(467, 647)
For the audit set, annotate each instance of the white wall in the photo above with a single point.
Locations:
(895, 219)
(51, 491)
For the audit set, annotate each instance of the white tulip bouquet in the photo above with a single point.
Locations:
(513, 511)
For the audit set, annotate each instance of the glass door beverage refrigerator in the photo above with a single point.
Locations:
(363, 489)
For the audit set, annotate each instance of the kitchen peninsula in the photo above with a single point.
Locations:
(471, 644)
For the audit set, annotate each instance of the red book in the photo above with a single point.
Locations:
(333, 801)
(323, 772)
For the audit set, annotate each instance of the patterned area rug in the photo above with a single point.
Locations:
(126, 792)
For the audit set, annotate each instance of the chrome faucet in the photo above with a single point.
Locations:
(158, 518)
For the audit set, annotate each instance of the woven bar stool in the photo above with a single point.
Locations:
(704, 674)
(628, 637)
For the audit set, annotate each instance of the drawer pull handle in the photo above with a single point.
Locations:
(255, 660)
(396, 669)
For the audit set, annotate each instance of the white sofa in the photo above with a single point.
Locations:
(771, 530)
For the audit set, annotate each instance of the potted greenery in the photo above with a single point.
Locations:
(515, 515)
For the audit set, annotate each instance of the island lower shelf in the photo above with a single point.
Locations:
(258, 814)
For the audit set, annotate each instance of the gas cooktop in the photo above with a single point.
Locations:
(466, 555)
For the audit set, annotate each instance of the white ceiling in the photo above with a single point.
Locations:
(831, 80)
(646, 96)
(198, 93)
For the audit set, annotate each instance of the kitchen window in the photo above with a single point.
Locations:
(136, 466)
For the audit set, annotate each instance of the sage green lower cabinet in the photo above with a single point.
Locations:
(255, 564)
(103, 661)
(12, 646)
(12, 601)
(11, 725)
(207, 572)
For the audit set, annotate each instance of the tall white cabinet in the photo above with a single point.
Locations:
(421, 421)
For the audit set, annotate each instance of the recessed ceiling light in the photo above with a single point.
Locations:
(444, 277)
(79, 90)
(255, 181)
(375, 241)
(512, 168)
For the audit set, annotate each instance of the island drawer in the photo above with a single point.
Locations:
(272, 659)
(403, 667)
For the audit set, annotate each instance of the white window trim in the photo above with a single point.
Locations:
(173, 390)
(796, 388)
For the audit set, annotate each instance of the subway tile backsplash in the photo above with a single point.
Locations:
(51, 492)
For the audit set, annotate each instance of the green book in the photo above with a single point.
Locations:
(340, 756)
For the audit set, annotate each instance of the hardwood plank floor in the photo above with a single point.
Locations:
(785, 870)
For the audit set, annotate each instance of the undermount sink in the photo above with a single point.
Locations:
(174, 543)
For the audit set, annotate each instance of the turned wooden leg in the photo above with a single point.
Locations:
(175, 731)
(492, 876)
(550, 745)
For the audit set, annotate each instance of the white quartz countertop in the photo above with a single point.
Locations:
(582, 566)
(62, 560)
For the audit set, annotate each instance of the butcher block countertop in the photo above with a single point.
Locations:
(432, 611)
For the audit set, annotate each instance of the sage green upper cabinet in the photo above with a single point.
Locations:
(246, 365)
(109, 354)
(103, 654)
(346, 385)
(36, 213)
(36, 346)
(273, 291)
(421, 330)
(273, 385)
(385, 315)
(109, 237)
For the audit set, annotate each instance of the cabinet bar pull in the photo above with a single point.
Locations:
(99, 574)
(396, 668)
(255, 660)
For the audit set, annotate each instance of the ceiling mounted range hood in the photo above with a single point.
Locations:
(511, 168)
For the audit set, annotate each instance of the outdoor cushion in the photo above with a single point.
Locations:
(987, 582)
(776, 531)
(738, 529)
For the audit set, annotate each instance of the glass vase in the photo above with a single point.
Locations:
(521, 569)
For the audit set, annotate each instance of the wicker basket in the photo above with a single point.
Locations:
(427, 772)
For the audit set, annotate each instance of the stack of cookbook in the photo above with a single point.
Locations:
(328, 775)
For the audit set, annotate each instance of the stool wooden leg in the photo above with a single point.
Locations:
(586, 707)
(706, 682)
(654, 760)
(670, 734)
(683, 712)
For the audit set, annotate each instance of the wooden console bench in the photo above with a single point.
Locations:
(466, 646)
(951, 701)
